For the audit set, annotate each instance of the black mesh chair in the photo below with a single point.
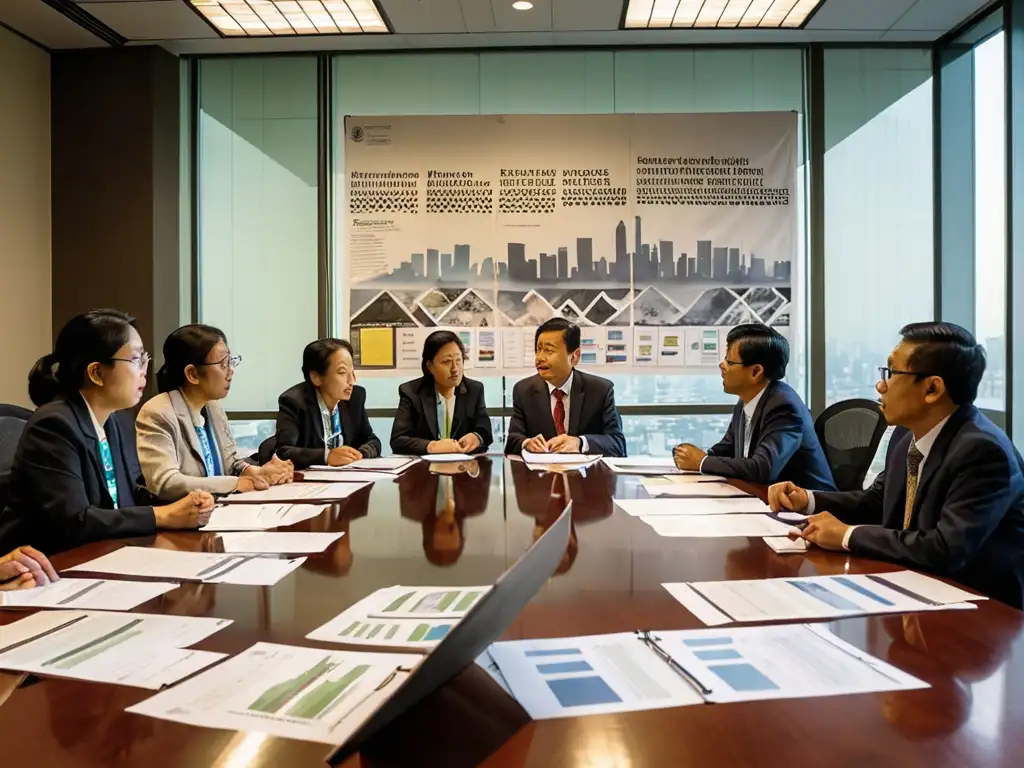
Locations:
(11, 428)
(849, 433)
(266, 450)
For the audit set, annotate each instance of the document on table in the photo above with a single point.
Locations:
(562, 459)
(135, 649)
(644, 465)
(816, 597)
(669, 486)
(150, 562)
(260, 517)
(394, 464)
(278, 542)
(322, 474)
(784, 545)
(675, 507)
(716, 526)
(86, 594)
(706, 490)
(333, 491)
(401, 617)
(447, 458)
(296, 693)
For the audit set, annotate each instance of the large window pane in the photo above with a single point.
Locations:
(878, 209)
(257, 170)
(990, 217)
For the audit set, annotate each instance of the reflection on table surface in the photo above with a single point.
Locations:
(464, 524)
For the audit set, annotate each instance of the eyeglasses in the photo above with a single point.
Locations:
(888, 373)
(731, 363)
(230, 362)
(138, 362)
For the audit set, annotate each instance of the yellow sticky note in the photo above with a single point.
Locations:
(377, 347)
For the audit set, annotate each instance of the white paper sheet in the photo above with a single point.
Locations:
(701, 506)
(706, 490)
(278, 542)
(150, 562)
(716, 526)
(597, 674)
(323, 474)
(927, 587)
(809, 597)
(135, 649)
(446, 458)
(86, 594)
(393, 464)
(362, 623)
(644, 465)
(779, 662)
(298, 693)
(297, 492)
(784, 545)
(260, 517)
(563, 459)
(669, 486)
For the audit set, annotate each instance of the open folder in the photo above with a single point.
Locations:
(346, 697)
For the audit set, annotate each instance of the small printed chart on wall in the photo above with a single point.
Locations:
(656, 234)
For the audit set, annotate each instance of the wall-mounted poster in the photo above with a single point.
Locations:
(654, 233)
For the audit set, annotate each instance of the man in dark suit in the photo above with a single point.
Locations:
(563, 410)
(771, 437)
(951, 498)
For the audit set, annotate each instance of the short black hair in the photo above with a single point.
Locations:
(435, 342)
(317, 355)
(759, 344)
(189, 345)
(950, 352)
(570, 332)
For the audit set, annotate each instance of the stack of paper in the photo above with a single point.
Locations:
(135, 649)
(716, 526)
(674, 484)
(296, 492)
(259, 517)
(147, 562)
(574, 460)
(278, 542)
(692, 506)
(645, 465)
(817, 597)
(335, 475)
(401, 617)
(447, 458)
(784, 545)
(91, 594)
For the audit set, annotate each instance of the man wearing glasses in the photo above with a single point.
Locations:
(771, 437)
(951, 498)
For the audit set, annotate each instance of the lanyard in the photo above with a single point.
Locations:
(108, 469)
(335, 438)
(209, 457)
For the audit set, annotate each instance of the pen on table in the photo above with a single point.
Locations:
(650, 642)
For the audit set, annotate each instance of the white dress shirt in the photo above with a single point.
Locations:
(566, 389)
(101, 433)
(749, 409)
(924, 445)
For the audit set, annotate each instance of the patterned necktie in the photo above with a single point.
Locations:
(559, 412)
(914, 459)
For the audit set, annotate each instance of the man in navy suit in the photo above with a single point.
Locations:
(771, 437)
(951, 498)
(561, 409)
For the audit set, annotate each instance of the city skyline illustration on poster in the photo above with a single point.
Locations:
(656, 234)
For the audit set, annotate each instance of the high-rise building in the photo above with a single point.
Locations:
(548, 267)
(721, 263)
(517, 261)
(691, 268)
(621, 266)
(585, 257)
(417, 265)
(734, 262)
(681, 267)
(703, 259)
(602, 269)
(781, 270)
(446, 265)
(668, 263)
(502, 270)
(461, 265)
(756, 268)
(563, 263)
(487, 268)
(638, 238)
(531, 270)
(432, 266)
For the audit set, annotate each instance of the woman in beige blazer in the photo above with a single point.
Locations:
(184, 439)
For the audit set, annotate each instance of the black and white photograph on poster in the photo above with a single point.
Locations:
(654, 233)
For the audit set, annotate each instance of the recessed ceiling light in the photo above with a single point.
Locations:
(269, 18)
(720, 14)
(522, 5)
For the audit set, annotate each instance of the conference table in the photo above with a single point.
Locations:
(609, 581)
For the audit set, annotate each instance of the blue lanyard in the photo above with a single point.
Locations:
(209, 457)
(336, 438)
(108, 469)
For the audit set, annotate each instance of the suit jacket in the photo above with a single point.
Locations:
(416, 421)
(592, 414)
(300, 427)
(169, 452)
(967, 523)
(783, 444)
(58, 495)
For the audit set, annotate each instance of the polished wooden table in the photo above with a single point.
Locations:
(609, 581)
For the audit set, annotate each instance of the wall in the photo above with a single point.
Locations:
(24, 212)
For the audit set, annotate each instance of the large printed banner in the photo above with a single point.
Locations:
(655, 233)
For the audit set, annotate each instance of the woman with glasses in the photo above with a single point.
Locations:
(74, 473)
(184, 439)
(323, 420)
(442, 412)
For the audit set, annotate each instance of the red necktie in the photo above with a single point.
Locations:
(559, 412)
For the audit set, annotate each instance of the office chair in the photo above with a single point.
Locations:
(849, 432)
(11, 428)
(14, 411)
(266, 450)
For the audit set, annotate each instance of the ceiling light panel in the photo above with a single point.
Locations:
(270, 18)
(730, 14)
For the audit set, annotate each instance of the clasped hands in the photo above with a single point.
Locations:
(557, 444)
(823, 529)
(465, 444)
(688, 457)
(25, 568)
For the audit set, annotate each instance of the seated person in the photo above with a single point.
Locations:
(771, 437)
(323, 420)
(25, 568)
(563, 410)
(951, 498)
(73, 477)
(183, 436)
(442, 412)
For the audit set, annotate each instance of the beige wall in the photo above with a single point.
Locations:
(25, 322)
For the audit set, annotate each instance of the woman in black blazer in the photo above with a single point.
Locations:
(442, 412)
(323, 420)
(74, 473)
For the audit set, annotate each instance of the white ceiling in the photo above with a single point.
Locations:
(483, 24)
